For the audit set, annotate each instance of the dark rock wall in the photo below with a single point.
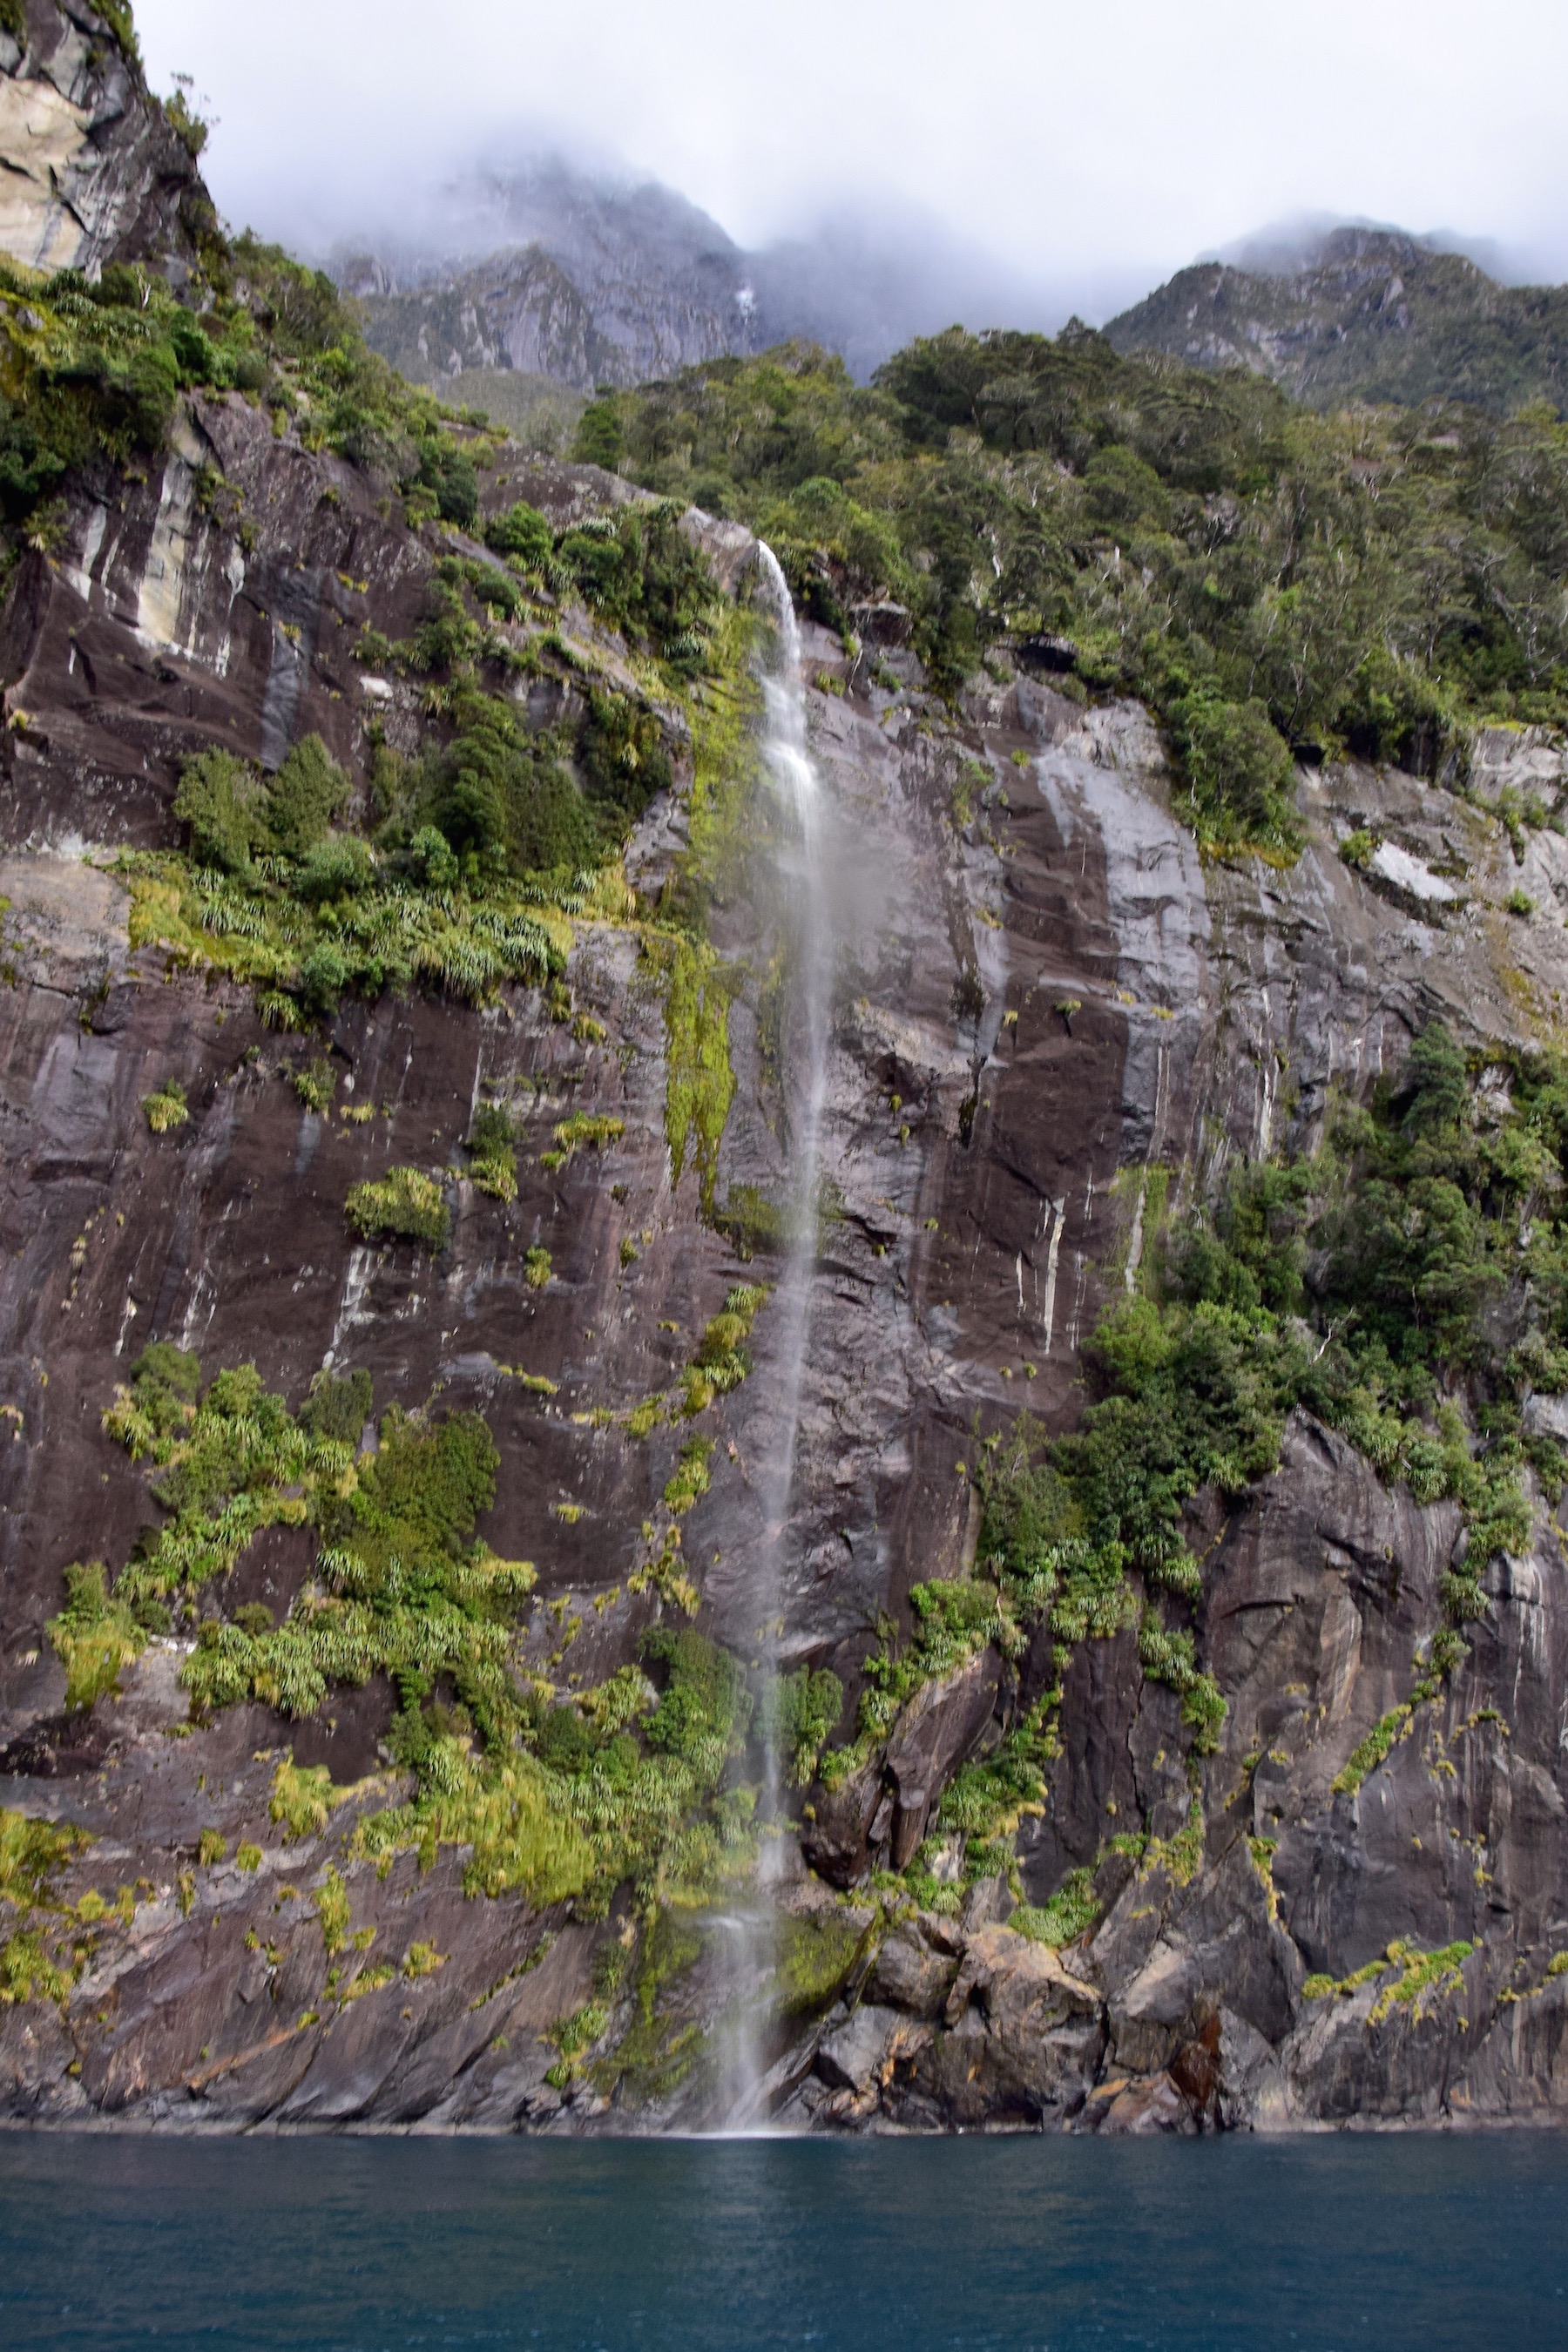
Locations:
(1039, 997)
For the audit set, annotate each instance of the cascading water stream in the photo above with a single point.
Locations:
(801, 875)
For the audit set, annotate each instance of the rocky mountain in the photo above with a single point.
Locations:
(553, 272)
(423, 1703)
(1366, 314)
(588, 283)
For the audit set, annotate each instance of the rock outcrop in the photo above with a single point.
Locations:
(92, 169)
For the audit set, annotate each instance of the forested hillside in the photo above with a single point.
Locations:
(1275, 584)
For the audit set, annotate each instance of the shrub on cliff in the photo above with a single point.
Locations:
(445, 468)
(403, 1204)
(600, 439)
(1239, 775)
(93, 1636)
(230, 813)
(523, 533)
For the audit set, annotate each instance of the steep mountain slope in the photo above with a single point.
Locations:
(587, 284)
(1373, 315)
(418, 1708)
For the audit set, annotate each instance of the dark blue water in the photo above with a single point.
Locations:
(706, 2247)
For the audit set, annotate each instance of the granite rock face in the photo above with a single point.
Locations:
(93, 172)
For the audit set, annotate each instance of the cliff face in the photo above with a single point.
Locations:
(971, 1248)
(91, 172)
(584, 283)
(1044, 1012)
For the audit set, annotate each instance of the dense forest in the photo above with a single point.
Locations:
(1276, 584)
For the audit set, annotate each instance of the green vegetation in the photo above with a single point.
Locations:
(303, 937)
(333, 1910)
(813, 1956)
(474, 851)
(405, 1592)
(750, 1223)
(1070, 1913)
(952, 1622)
(580, 1133)
(399, 1587)
(1411, 1974)
(316, 1084)
(42, 1948)
(699, 1084)
(490, 823)
(1363, 1283)
(1372, 1751)
(643, 579)
(232, 817)
(492, 1153)
(1269, 579)
(690, 1481)
(1408, 1285)
(97, 371)
(303, 1798)
(798, 1715)
(94, 1637)
(404, 1204)
(166, 1109)
(656, 2055)
(226, 1463)
(720, 1363)
(624, 1782)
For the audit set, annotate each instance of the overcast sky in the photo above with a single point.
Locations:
(1082, 144)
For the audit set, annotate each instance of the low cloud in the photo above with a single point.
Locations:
(1051, 154)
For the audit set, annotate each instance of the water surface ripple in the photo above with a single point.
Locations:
(711, 2246)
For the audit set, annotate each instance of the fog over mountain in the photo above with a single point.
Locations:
(896, 175)
(590, 276)
(1281, 248)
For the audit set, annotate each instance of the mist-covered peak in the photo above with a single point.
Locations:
(1354, 310)
(596, 278)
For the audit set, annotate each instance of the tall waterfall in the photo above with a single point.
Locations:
(804, 1058)
(751, 1929)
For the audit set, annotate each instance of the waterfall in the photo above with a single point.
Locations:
(805, 1060)
(801, 883)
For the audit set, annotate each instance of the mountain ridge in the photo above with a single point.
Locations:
(1375, 314)
(654, 284)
